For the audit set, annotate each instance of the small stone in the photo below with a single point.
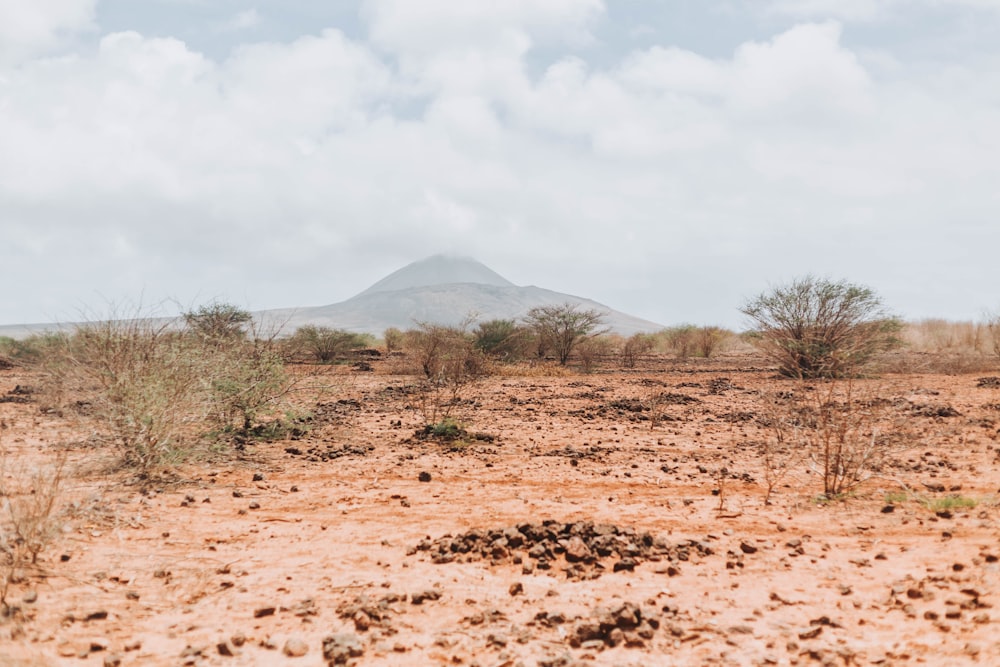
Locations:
(424, 476)
(295, 648)
(254, 505)
(516, 589)
(747, 548)
(811, 633)
(225, 649)
(30, 597)
(113, 660)
(263, 611)
(98, 644)
(339, 648)
(258, 477)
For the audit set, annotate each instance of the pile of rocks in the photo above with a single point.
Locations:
(586, 548)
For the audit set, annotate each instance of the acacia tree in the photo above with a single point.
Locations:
(218, 322)
(327, 344)
(561, 328)
(815, 328)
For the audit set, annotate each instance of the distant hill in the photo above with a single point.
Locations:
(444, 290)
(439, 290)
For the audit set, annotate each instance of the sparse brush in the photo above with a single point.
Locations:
(141, 379)
(844, 433)
(446, 361)
(29, 499)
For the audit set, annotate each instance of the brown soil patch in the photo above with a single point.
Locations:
(615, 518)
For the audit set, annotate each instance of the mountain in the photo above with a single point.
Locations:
(444, 290)
(439, 290)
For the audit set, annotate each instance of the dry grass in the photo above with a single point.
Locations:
(30, 499)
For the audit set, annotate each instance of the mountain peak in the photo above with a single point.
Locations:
(439, 270)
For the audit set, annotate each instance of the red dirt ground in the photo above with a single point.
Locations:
(188, 572)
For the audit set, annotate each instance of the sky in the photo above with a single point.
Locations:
(668, 158)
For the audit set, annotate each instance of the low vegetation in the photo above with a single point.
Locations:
(817, 328)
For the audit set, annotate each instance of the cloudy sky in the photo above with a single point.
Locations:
(669, 158)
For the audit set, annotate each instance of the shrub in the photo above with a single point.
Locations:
(218, 322)
(246, 379)
(394, 339)
(845, 435)
(29, 517)
(592, 350)
(326, 344)
(561, 328)
(816, 328)
(447, 362)
(993, 331)
(141, 380)
(634, 347)
(501, 339)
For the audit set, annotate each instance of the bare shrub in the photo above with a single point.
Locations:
(30, 521)
(779, 451)
(592, 351)
(708, 340)
(141, 379)
(634, 347)
(844, 433)
(447, 363)
(680, 340)
(816, 328)
(247, 381)
(993, 331)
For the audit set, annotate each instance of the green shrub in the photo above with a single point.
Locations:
(816, 328)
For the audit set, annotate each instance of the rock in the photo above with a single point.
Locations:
(578, 551)
(113, 660)
(625, 564)
(339, 648)
(424, 476)
(747, 548)
(261, 612)
(811, 633)
(238, 639)
(226, 649)
(295, 648)
(516, 588)
(421, 597)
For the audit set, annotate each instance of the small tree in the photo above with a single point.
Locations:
(501, 339)
(561, 328)
(326, 344)
(393, 339)
(816, 328)
(218, 322)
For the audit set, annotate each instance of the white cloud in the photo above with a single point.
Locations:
(294, 173)
(433, 26)
(242, 21)
(29, 27)
(867, 10)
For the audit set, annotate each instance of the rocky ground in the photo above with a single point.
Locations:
(612, 518)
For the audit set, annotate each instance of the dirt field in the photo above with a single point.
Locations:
(576, 531)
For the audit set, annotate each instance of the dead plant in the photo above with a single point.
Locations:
(30, 521)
